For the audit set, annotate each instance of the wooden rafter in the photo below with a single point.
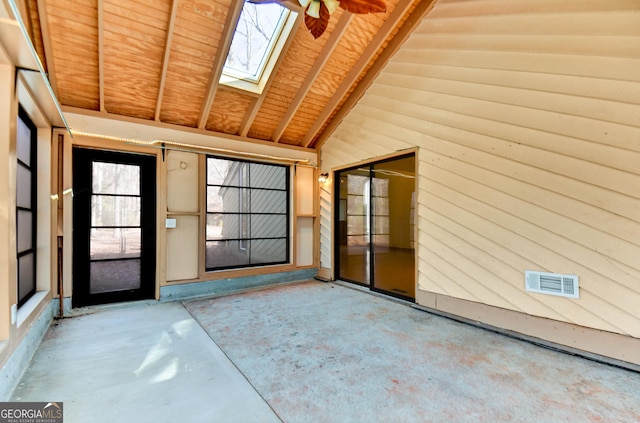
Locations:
(407, 28)
(387, 28)
(257, 103)
(165, 58)
(244, 113)
(23, 7)
(324, 56)
(122, 118)
(46, 42)
(101, 53)
(216, 70)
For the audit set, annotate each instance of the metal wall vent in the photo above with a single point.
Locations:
(552, 283)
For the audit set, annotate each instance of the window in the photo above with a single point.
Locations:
(26, 184)
(259, 38)
(247, 214)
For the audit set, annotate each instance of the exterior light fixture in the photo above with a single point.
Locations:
(324, 176)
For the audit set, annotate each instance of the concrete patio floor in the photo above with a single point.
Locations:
(311, 352)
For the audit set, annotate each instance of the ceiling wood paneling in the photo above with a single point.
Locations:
(161, 60)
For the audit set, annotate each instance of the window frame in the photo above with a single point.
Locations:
(244, 201)
(32, 167)
(284, 32)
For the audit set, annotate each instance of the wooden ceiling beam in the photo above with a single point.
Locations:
(323, 58)
(101, 53)
(178, 128)
(46, 43)
(257, 103)
(25, 12)
(221, 56)
(387, 28)
(165, 58)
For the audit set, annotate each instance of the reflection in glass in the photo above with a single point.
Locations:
(268, 225)
(26, 275)
(393, 247)
(268, 250)
(226, 254)
(215, 199)
(25, 230)
(267, 176)
(247, 206)
(353, 225)
(23, 141)
(270, 201)
(376, 206)
(217, 170)
(23, 194)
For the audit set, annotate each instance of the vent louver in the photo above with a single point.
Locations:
(552, 283)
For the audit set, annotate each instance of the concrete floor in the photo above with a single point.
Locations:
(311, 352)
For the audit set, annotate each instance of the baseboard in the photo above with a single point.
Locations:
(19, 359)
(607, 347)
(233, 285)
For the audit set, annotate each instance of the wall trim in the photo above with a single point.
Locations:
(594, 344)
(19, 359)
(381, 158)
(188, 291)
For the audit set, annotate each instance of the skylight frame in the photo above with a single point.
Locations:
(246, 82)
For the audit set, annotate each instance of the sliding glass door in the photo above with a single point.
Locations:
(375, 232)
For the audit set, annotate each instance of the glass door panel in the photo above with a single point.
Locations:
(354, 225)
(375, 241)
(393, 242)
(114, 227)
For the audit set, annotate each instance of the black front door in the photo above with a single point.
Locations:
(114, 227)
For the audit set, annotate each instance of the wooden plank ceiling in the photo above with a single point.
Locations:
(159, 62)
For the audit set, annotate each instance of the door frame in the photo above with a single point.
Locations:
(413, 152)
(83, 156)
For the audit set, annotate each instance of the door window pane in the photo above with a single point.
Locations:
(113, 210)
(393, 249)
(353, 226)
(114, 275)
(115, 178)
(115, 243)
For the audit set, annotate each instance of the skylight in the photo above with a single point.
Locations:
(258, 40)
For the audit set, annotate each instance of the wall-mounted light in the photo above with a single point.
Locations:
(324, 176)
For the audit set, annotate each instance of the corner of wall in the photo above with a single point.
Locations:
(17, 357)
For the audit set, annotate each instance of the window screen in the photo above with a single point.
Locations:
(247, 214)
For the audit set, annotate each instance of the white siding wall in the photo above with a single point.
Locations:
(527, 118)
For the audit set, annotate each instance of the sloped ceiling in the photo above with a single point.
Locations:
(159, 62)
